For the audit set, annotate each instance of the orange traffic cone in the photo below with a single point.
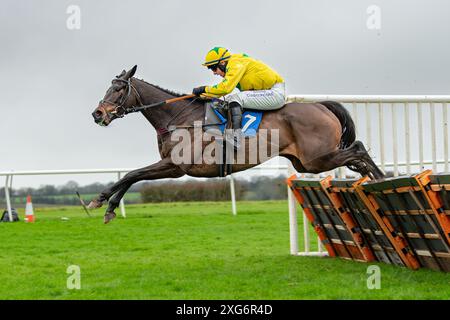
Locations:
(29, 214)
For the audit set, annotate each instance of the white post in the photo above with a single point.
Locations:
(433, 137)
(381, 135)
(355, 118)
(368, 127)
(319, 245)
(419, 122)
(407, 139)
(341, 173)
(394, 140)
(307, 246)
(233, 196)
(293, 226)
(445, 125)
(8, 200)
(122, 202)
(9, 191)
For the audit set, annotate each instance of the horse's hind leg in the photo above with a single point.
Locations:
(365, 164)
(354, 157)
(296, 163)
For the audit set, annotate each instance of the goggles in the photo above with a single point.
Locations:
(213, 67)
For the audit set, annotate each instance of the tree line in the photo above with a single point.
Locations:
(213, 189)
(67, 189)
(257, 188)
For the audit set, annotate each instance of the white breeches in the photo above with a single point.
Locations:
(271, 99)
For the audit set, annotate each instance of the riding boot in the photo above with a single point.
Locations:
(236, 121)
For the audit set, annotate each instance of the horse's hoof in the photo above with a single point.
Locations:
(108, 217)
(95, 204)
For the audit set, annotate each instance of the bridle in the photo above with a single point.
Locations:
(120, 111)
(119, 108)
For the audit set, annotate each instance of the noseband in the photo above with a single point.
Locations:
(119, 108)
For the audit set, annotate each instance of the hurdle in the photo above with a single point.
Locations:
(335, 228)
(403, 220)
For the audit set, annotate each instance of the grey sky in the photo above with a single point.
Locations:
(52, 77)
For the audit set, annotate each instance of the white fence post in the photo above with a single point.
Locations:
(445, 127)
(433, 136)
(233, 195)
(293, 224)
(122, 201)
(8, 199)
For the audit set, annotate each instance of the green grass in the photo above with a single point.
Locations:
(186, 251)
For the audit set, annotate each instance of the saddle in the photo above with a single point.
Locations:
(216, 115)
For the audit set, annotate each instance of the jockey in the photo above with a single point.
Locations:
(260, 87)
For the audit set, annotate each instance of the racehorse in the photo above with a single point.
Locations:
(315, 137)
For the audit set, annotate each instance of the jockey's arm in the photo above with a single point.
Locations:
(232, 77)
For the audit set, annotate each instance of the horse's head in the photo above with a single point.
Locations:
(119, 97)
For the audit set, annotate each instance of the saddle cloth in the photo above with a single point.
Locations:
(216, 118)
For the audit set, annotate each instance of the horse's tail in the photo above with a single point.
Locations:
(347, 124)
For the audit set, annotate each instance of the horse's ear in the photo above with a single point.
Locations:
(121, 74)
(130, 73)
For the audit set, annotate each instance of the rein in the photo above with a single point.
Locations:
(153, 105)
(120, 111)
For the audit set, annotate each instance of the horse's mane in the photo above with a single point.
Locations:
(176, 94)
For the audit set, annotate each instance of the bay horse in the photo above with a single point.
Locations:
(315, 137)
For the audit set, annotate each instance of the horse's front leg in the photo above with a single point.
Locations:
(160, 170)
(114, 202)
(105, 195)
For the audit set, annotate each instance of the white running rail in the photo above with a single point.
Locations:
(9, 175)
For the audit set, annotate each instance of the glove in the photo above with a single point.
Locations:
(199, 90)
